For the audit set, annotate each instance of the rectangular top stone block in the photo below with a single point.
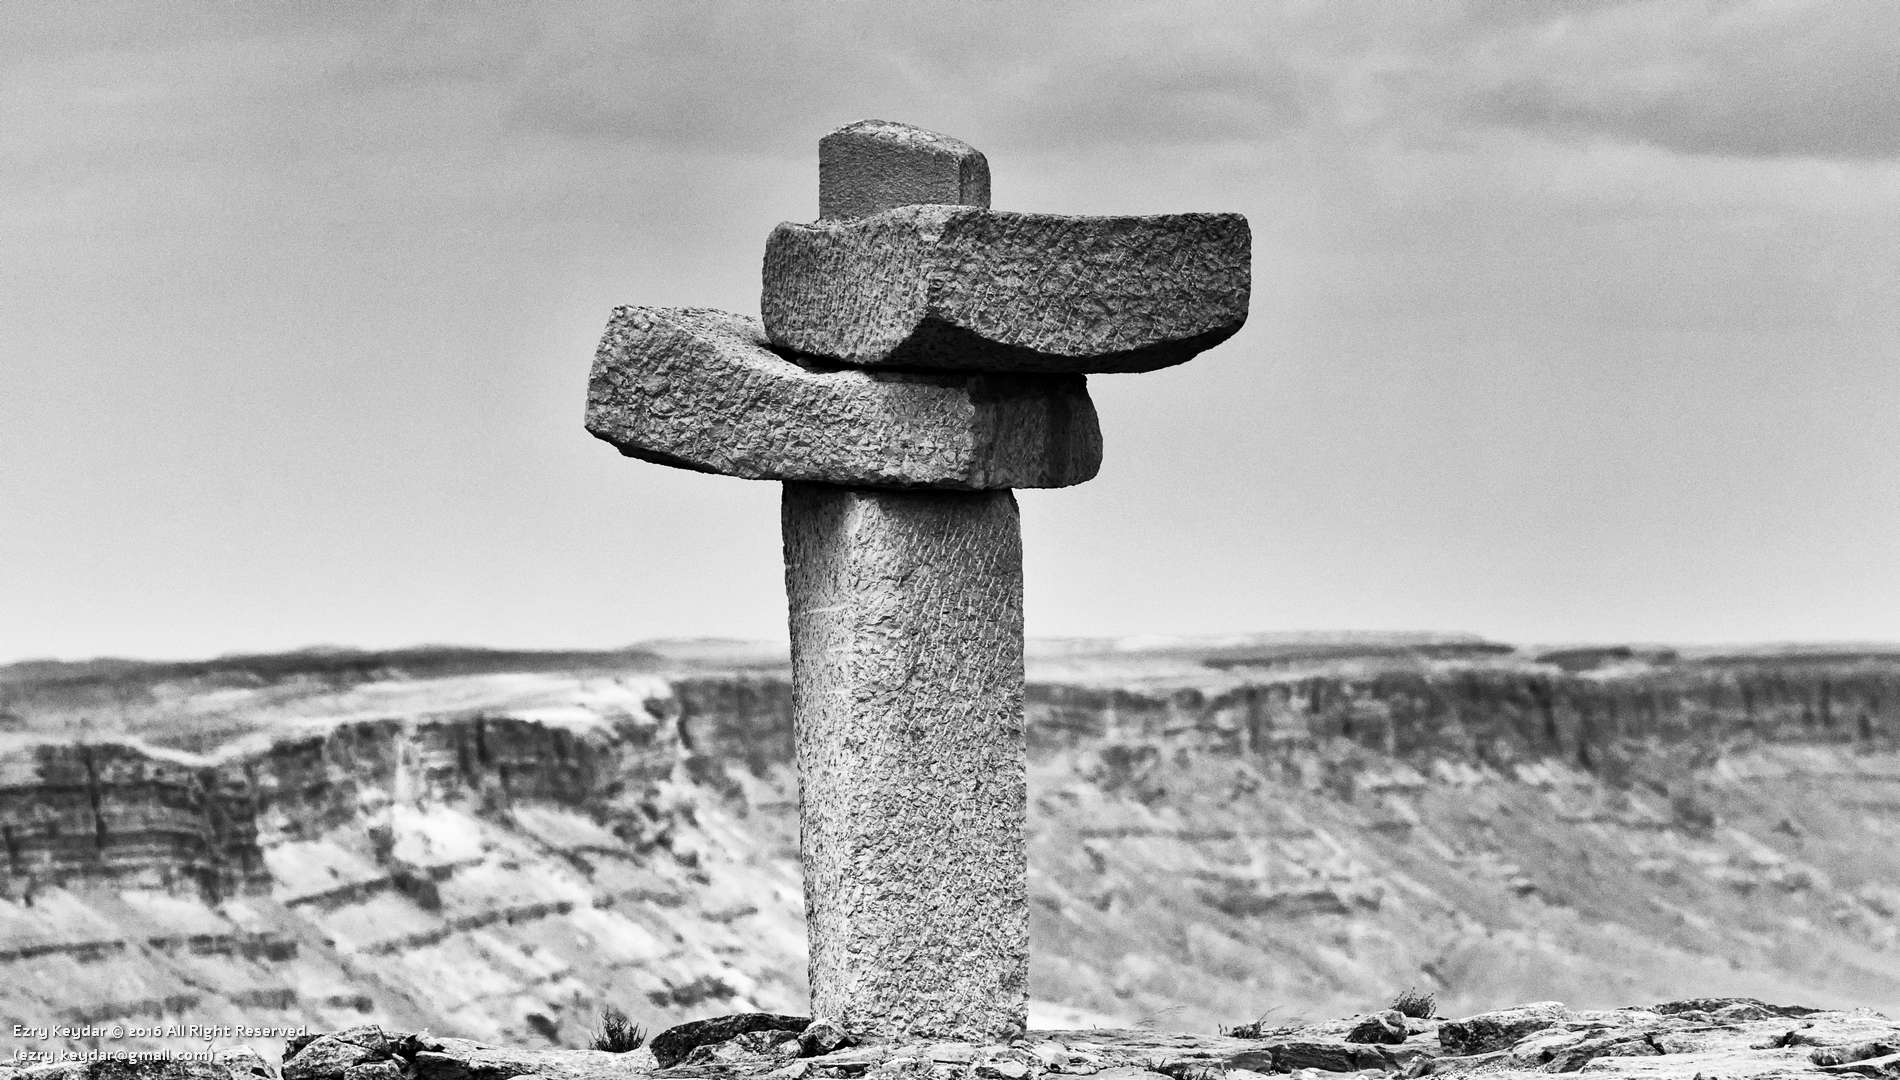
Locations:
(701, 389)
(958, 289)
(874, 165)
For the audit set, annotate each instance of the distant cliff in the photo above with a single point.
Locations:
(498, 854)
(127, 814)
(1495, 714)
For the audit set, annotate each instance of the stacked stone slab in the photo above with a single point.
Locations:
(920, 356)
(959, 289)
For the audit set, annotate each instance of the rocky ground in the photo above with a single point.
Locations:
(1700, 1039)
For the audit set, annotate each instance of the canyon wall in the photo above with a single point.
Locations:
(1205, 848)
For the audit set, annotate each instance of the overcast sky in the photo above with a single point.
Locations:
(1571, 321)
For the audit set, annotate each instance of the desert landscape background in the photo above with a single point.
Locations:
(1571, 322)
(495, 845)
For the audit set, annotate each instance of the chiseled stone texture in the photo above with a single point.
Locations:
(874, 164)
(700, 389)
(906, 619)
(958, 288)
(907, 654)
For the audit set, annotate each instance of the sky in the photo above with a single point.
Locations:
(1570, 321)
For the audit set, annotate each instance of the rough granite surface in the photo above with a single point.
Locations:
(907, 688)
(960, 288)
(906, 621)
(700, 389)
(873, 164)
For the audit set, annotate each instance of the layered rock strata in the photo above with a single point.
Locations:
(1199, 851)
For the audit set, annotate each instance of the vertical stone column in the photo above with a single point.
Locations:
(906, 616)
(951, 347)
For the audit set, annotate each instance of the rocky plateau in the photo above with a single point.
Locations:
(475, 851)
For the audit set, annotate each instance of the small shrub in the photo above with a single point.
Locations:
(1410, 1002)
(617, 1034)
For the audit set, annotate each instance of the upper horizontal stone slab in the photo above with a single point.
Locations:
(701, 389)
(956, 289)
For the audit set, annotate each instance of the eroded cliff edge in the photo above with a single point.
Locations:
(497, 855)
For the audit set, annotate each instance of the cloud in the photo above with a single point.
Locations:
(1734, 78)
(740, 77)
(1762, 78)
(404, 47)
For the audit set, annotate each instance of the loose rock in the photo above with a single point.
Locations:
(1860, 1051)
(1497, 1030)
(1622, 1044)
(1386, 1028)
(822, 1037)
(1887, 1066)
(1326, 1055)
(1731, 1009)
(330, 1055)
(670, 1047)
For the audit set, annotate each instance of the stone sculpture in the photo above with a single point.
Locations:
(920, 356)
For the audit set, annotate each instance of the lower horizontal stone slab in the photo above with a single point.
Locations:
(702, 389)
